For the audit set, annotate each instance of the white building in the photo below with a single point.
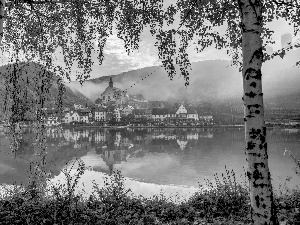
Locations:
(67, 118)
(84, 115)
(100, 114)
(117, 114)
(181, 110)
(75, 116)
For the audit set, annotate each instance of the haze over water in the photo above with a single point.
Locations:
(151, 160)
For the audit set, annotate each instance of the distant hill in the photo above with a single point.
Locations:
(215, 81)
(29, 73)
(204, 82)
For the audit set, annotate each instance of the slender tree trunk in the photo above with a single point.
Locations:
(261, 194)
(2, 5)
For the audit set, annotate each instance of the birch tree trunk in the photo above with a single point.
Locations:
(261, 194)
(2, 5)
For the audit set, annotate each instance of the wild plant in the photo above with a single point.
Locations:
(34, 204)
(162, 209)
(223, 198)
(297, 163)
(114, 203)
(67, 191)
(114, 187)
(288, 200)
(38, 180)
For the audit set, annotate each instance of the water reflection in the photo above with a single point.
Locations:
(181, 157)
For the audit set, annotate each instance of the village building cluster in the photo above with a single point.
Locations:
(115, 105)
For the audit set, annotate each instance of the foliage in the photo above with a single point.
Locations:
(130, 117)
(74, 26)
(114, 203)
(124, 119)
(199, 26)
(287, 202)
(112, 121)
(69, 189)
(225, 198)
(27, 91)
(297, 164)
(225, 202)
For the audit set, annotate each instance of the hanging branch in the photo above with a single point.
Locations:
(2, 5)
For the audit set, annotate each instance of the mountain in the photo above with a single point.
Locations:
(205, 82)
(212, 80)
(29, 77)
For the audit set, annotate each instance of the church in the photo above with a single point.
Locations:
(113, 95)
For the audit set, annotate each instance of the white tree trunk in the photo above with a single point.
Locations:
(261, 194)
(2, 5)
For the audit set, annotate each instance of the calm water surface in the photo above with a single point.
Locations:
(151, 160)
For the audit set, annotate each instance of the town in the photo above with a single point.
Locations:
(116, 107)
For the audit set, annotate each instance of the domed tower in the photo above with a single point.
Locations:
(111, 83)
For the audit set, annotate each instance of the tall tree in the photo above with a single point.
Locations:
(245, 22)
(258, 173)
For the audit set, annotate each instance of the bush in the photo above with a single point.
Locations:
(225, 199)
(224, 202)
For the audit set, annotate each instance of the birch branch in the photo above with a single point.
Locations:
(2, 4)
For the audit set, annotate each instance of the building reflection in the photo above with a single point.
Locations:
(117, 146)
(116, 140)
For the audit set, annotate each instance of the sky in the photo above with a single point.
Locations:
(117, 60)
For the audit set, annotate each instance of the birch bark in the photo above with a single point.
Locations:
(261, 194)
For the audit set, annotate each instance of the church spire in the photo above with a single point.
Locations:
(111, 83)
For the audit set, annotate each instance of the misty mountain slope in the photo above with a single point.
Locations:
(204, 82)
(212, 80)
(73, 96)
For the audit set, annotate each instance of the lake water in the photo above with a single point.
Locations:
(152, 160)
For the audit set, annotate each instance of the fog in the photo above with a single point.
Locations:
(211, 79)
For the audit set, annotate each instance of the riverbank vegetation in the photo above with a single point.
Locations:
(222, 201)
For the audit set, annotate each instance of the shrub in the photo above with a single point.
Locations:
(225, 198)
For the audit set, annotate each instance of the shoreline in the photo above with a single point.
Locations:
(162, 127)
(141, 127)
(168, 127)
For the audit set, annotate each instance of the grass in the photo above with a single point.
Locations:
(224, 202)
